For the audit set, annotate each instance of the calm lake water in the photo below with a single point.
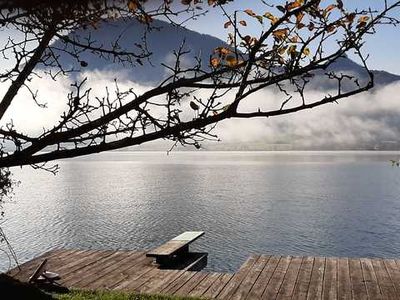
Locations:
(292, 203)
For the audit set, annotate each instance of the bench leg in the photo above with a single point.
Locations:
(182, 252)
(163, 260)
(173, 259)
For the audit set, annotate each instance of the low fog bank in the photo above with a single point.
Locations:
(369, 121)
(366, 121)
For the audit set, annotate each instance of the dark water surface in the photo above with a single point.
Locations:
(297, 203)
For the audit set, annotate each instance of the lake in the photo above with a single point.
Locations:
(286, 203)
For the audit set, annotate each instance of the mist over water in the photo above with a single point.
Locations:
(366, 121)
(284, 203)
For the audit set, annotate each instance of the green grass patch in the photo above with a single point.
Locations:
(112, 295)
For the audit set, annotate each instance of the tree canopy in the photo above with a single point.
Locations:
(298, 41)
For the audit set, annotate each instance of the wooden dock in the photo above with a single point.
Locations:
(260, 277)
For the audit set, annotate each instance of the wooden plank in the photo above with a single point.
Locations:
(205, 284)
(160, 281)
(329, 290)
(304, 278)
(262, 281)
(344, 283)
(127, 281)
(188, 236)
(28, 267)
(99, 277)
(217, 286)
(289, 281)
(237, 279)
(185, 289)
(65, 256)
(31, 263)
(109, 270)
(168, 284)
(248, 282)
(137, 284)
(167, 249)
(55, 264)
(359, 290)
(385, 282)
(370, 279)
(178, 283)
(130, 268)
(74, 259)
(56, 260)
(135, 267)
(158, 277)
(134, 284)
(80, 274)
(274, 284)
(73, 265)
(317, 278)
(394, 273)
(178, 243)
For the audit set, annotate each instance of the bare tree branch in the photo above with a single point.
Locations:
(300, 41)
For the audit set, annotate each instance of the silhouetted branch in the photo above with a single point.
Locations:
(300, 41)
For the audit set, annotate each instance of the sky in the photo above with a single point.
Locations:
(383, 46)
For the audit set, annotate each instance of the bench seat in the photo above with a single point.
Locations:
(175, 249)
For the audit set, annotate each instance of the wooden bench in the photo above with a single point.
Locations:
(176, 249)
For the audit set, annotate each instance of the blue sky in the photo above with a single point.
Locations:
(383, 46)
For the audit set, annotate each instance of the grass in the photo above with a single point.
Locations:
(112, 295)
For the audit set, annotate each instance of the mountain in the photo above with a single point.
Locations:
(349, 67)
(161, 41)
(164, 39)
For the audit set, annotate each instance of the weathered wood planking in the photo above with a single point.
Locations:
(260, 277)
(303, 279)
(167, 249)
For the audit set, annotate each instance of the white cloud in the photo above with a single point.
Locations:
(26, 115)
(363, 119)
